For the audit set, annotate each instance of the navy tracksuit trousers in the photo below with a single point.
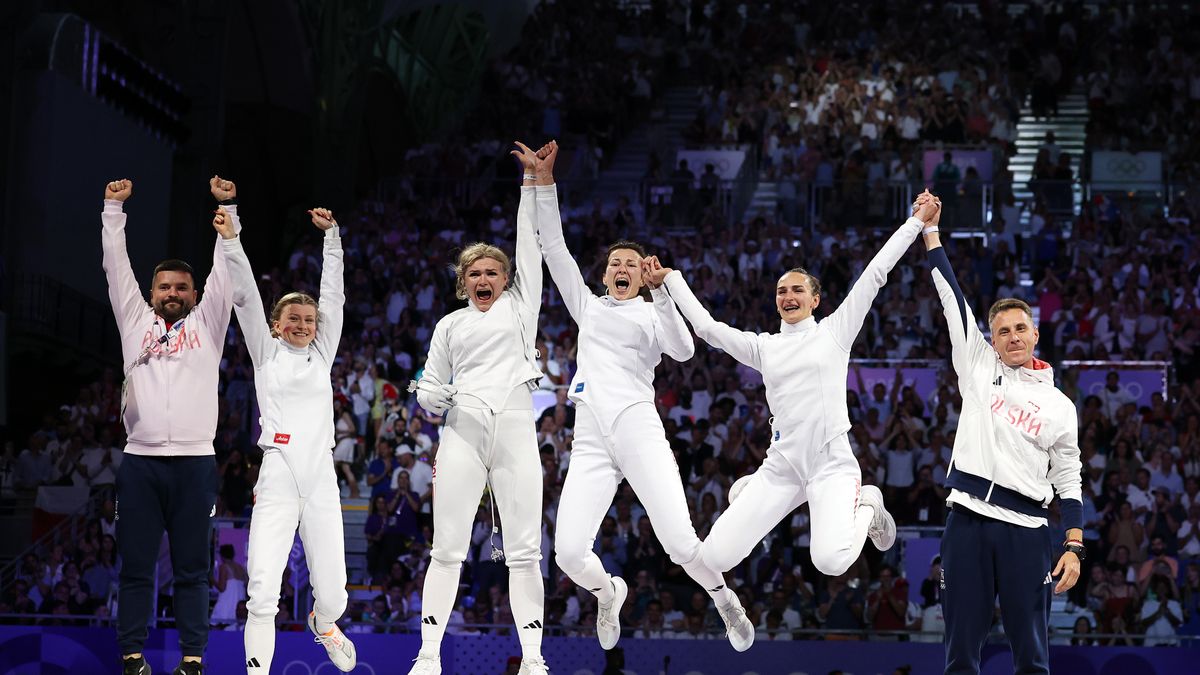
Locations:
(177, 495)
(982, 558)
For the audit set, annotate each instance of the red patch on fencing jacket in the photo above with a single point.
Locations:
(283, 439)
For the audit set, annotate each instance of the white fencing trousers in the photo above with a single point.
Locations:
(278, 511)
(638, 450)
(479, 446)
(829, 479)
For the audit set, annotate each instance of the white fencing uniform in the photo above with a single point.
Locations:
(618, 432)
(489, 438)
(297, 486)
(804, 369)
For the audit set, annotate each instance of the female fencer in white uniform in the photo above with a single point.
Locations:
(480, 372)
(804, 367)
(618, 432)
(297, 486)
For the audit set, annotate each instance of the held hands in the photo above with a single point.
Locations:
(653, 271)
(927, 208)
(222, 189)
(530, 162)
(223, 223)
(322, 218)
(119, 190)
(436, 398)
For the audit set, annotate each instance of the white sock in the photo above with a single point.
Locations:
(710, 580)
(591, 577)
(259, 638)
(527, 594)
(437, 601)
(863, 515)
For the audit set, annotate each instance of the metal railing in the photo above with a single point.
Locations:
(69, 529)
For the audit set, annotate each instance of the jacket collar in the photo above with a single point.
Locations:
(806, 325)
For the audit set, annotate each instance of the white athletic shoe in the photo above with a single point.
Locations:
(535, 666)
(426, 665)
(608, 619)
(739, 485)
(738, 628)
(882, 529)
(339, 647)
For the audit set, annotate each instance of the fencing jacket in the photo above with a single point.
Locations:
(295, 396)
(620, 341)
(488, 354)
(804, 365)
(1017, 440)
(170, 394)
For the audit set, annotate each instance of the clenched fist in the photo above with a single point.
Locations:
(322, 218)
(222, 189)
(119, 190)
(223, 224)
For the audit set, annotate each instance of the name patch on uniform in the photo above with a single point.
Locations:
(578, 387)
(283, 439)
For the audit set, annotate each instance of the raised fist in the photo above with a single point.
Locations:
(547, 154)
(322, 218)
(119, 190)
(222, 189)
(223, 223)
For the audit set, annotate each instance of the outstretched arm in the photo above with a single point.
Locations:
(741, 345)
(672, 333)
(527, 284)
(247, 303)
(213, 308)
(129, 306)
(333, 285)
(563, 268)
(847, 320)
(967, 345)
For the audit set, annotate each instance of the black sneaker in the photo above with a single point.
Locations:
(136, 666)
(189, 668)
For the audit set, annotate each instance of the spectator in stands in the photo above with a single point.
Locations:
(1161, 612)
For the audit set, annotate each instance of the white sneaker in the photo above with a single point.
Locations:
(738, 628)
(426, 665)
(534, 666)
(608, 619)
(739, 485)
(337, 645)
(882, 529)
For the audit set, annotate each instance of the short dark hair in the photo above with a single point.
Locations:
(813, 282)
(631, 245)
(173, 265)
(1005, 304)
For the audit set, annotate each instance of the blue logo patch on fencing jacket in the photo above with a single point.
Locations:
(777, 435)
(578, 387)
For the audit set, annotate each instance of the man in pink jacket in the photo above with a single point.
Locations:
(171, 354)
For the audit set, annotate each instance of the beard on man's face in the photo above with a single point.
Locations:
(172, 308)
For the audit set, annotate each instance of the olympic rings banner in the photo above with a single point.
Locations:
(1127, 170)
(29, 650)
(1141, 382)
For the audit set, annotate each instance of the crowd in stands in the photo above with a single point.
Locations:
(1123, 287)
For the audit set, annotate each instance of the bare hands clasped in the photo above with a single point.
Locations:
(539, 163)
(927, 208)
(653, 271)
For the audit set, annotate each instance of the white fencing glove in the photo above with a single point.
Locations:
(436, 398)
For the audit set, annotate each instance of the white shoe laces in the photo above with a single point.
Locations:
(335, 639)
(732, 615)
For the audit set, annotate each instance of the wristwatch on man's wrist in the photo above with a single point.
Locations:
(1077, 548)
